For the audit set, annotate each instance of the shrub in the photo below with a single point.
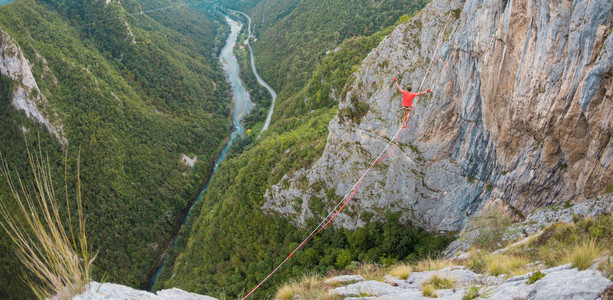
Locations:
(535, 277)
(477, 262)
(492, 226)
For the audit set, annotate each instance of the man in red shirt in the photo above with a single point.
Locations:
(407, 99)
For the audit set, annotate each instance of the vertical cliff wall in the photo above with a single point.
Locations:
(521, 114)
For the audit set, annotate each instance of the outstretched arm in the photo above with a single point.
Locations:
(419, 94)
(397, 86)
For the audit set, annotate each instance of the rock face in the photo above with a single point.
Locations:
(115, 291)
(521, 115)
(26, 94)
(558, 283)
(535, 222)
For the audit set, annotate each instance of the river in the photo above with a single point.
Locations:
(272, 92)
(242, 107)
(2, 2)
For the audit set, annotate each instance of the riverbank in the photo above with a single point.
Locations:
(264, 95)
(3, 2)
(242, 105)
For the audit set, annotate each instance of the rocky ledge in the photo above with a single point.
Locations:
(562, 282)
(108, 291)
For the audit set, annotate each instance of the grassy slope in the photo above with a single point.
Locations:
(131, 110)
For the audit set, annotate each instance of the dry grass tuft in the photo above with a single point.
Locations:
(506, 264)
(402, 271)
(309, 287)
(430, 264)
(429, 291)
(440, 282)
(582, 255)
(371, 271)
(59, 262)
(288, 290)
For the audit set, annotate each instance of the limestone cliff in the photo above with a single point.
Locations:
(521, 114)
(26, 94)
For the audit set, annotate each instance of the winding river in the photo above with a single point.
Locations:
(272, 92)
(242, 107)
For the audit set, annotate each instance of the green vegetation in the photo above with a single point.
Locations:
(470, 178)
(492, 226)
(535, 277)
(578, 243)
(440, 282)
(291, 49)
(606, 267)
(132, 109)
(428, 290)
(587, 239)
(259, 95)
(234, 244)
(471, 293)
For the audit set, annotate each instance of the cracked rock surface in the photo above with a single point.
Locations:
(521, 114)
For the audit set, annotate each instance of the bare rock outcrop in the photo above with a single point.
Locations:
(26, 94)
(116, 291)
(521, 114)
(562, 282)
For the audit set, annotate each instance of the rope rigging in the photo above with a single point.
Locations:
(345, 200)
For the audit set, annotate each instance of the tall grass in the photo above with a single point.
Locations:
(432, 264)
(506, 264)
(440, 282)
(310, 286)
(402, 270)
(582, 255)
(59, 261)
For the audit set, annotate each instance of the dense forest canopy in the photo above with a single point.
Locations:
(289, 49)
(133, 95)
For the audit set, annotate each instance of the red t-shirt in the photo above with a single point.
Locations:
(407, 98)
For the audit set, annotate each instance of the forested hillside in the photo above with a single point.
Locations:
(234, 244)
(132, 94)
(289, 51)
